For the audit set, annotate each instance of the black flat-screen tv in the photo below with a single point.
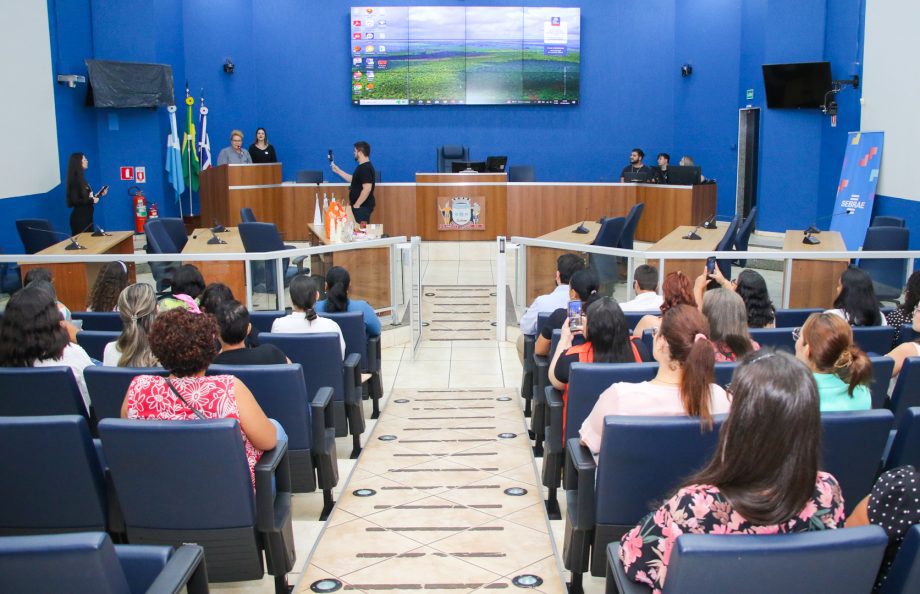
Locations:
(461, 166)
(465, 55)
(797, 85)
(496, 164)
(681, 175)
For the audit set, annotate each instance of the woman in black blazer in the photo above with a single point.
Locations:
(80, 196)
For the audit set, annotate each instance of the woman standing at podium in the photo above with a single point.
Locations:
(80, 196)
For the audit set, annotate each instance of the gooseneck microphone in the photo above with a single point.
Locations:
(218, 228)
(581, 229)
(74, 245)
(100, 232)
(215, 240)
(812, 230)
(710, 223)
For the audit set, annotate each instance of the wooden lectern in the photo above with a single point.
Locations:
(218, 203)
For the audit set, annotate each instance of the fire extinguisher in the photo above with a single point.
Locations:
(154, 212)
(140, 208)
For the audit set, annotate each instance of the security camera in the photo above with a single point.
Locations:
(70, 80)
(228, 66)
(686, 70)
(830, 109)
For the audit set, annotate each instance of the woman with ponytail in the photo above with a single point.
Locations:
(137, 307)
(841, 369)
(683, 385)
(336, 301)
(304, 319)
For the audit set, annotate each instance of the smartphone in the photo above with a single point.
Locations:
(103, 190)
(329, 156)
(710, 264)
(575, 319)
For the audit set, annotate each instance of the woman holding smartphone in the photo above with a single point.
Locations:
(80, 195)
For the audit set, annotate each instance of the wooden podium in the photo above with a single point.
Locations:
(74, 280)
(219, 203)
(435, 190)
(814, 282)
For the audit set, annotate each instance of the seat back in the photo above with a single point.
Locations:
(521, 173)
(74, 563)
(53, 478)
(175, 228)
(724, 372)
(320, 354)
(629, 228)
(906, 446)
(793, 318)
(309, 176)
(887, 221)
(905, 393)
(633, 317)
(39, 391)
(588, 380)
(99, 321)
(159, 240)
(853, 444)
(260, 237)
(247, 216)
(108, 386)
(263, 320)
(904, 574)
(609, 233)
(874, 339)
(725, 245)
(674, 446)
(37, 234)
(882, 368)
(352, 325)
(448, 153)
(94, 341)
(887, 274)
(779, 338)
(839, 561)
(743, 235)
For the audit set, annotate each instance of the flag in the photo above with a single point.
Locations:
(174, 155)
(190, 165)
(204, 145)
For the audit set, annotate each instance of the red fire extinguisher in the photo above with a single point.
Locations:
(154, 213)
(140, 208)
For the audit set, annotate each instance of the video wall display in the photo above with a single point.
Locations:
(482, 55)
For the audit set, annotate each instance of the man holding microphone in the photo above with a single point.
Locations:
(363, 181)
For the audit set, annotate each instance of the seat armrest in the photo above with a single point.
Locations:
(541, 377)
(617, 574)
(554, 406)
(580, 470)
(185, 568)
(272, 464)
(530, 341)
(373, 354)
(353, 379)
(322, 417)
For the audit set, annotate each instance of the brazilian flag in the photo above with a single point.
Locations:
(190, 164)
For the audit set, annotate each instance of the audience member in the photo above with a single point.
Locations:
(110, 282)
(760, 480)
(185, 343)
(728, 329)
(233, 319)
(856, 301)
(582, 287)
(908, 349)
(566, 266)
(304, 320)
(32, 334)
(676, 290)
(337, 282)
(841, 369)
(43, 277)
(684, 384)
(904, 313)
(187, 285)
(137, 307)
(216, 295)
(893, 505)
(261, 151)
(645, 285)
(753, 291)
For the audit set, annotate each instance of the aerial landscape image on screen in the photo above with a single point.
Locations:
(465, 55)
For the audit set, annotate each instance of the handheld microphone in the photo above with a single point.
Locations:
(218, 228)
(810, 233)
(329, 156)
(215, 240)
(581, 229)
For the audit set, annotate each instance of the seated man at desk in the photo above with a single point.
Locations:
(234, 154)
(637, 171)
(664, 159)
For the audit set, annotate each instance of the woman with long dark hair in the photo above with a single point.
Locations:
(304, 319)
(904, 313)
(337, 282)
(677, 289)
(80, 196)
(187, 285)
(110, 282)
(261, 151)
(762, 479)
(856, 301)
(751, 287)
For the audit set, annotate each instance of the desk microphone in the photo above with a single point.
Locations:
(73, 241)
(215, 240)
(810, 233)
(710, 223)
(581, 229)
(100, 232)
(218, 228)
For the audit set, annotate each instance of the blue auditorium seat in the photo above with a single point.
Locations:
(904, 574)
(605, 505)
(853, 445)
(263, 320)
(94, 341)
(188, 481)
(89, 563)
(778, 338)
(38, 391)
(99, 321)
(310, 425)
(905, 449)
(882, 368)
(539, 380)
(633, 317)
(793, 318)
(874, 339)
(527, 378)
(838, 561)
(368, 347)
(905, 393)
(108, 386)
(724, 372)
(320, 354)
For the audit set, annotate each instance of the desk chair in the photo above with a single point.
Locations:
(37, 234)
(448, 153)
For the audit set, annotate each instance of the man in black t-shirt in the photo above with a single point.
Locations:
(363, 181)
(233, 318)
(637, 171)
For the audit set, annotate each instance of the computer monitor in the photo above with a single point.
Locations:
(496, 164)
(683, 176)
(636, 176)
(461, 166)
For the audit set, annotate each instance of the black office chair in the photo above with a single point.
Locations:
(725, 245)
(247, 216)
(887, 221)
(448, 153)
(160, 241)
(309, 176)
(743, 236)
(264, 237)
(887, 275)
(37, 234)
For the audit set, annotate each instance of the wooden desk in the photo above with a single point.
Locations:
(541, 262)
(434, 190)
(74, 280)
(674, 242)
(814, 282)
(369, 269)
(230, 272)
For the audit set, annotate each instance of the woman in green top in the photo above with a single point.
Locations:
(841, 369)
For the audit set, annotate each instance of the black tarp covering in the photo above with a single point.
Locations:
(129, 84)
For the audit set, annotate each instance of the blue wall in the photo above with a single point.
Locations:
(292, 78)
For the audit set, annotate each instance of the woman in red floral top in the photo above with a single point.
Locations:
(763, 478)
(185, 343)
